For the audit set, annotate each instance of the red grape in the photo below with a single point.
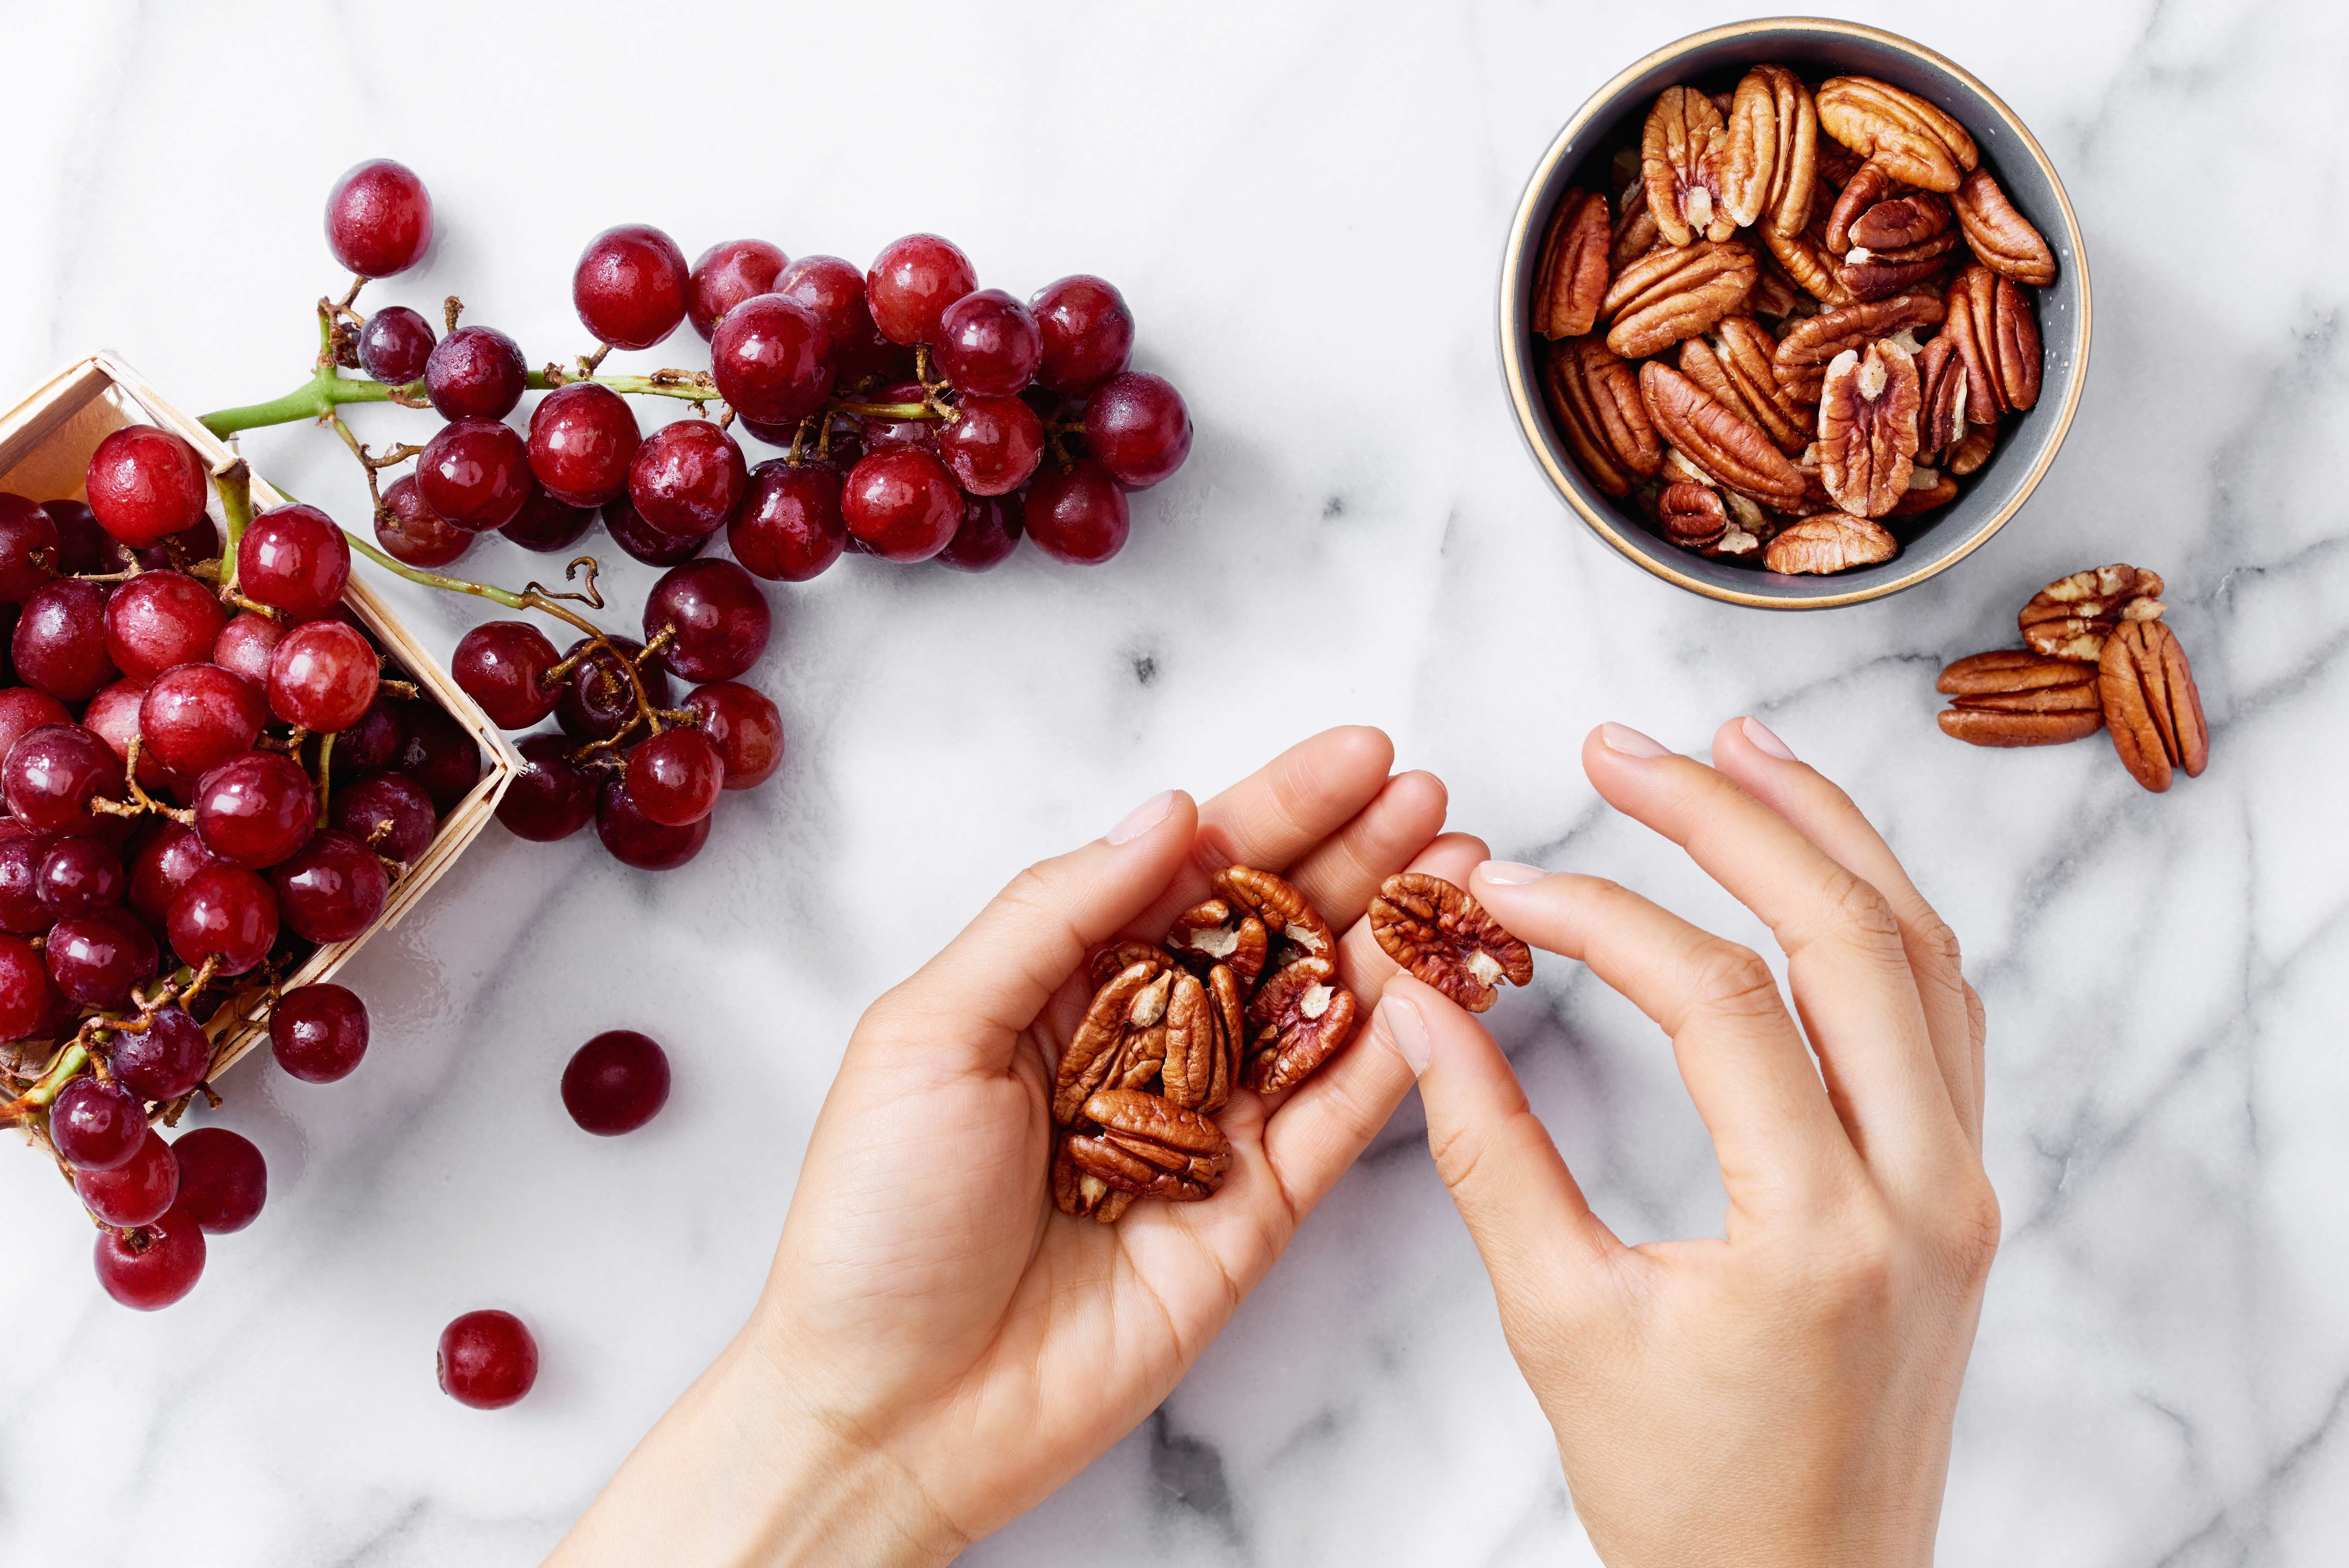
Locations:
(331, 889)
(294, 558)
(991, 529)
(197, 716)
(59, 643)
(1087, 330)
(717, 618)
(583, 437)
(153, 1266)
(318, 1032)
(136, 1192)
(163, 1061)
(789, 528)
(248, 643)
(474, 472)
(26, 996)
(145, 483)
(395, 344)
(254, 809)
(96, 958)
(503, 665)
(1077, 514)
(97, 1126)
(644, 543)
(616, 1082)
(25, 529)
(550, 798)
(1137, 427)
(437, 752)
(687, 480)
(878, 432)
(414, 534)
(771, 359)
(200, 540)
(223, 1180)
(390, 813)
(52, 773)
(636, 839)
(911, 284)
(163, 868)
(545, 524)
(226, 912)
(24, 710)
(323, 676)
(113, 717)
(987, 345)
(992, 445)
(728, 273)
(21, 851)
(834, 290)
(379, 219)
(676, 777)
(78, 875)
(487, 1361)
(902, 502)
(475, 371)
(745, 727)
(597, 702)
(630, 285)
(158, 619)
(84, 547)
(369, 742)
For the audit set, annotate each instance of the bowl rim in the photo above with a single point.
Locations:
(1516, 372)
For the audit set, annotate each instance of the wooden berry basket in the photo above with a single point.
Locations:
(46, 443)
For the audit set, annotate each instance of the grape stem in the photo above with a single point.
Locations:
(82, 1054)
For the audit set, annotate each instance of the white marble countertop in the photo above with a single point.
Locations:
(1304, 207)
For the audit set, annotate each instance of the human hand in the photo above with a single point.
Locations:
(936, 1349)
(1783, 1395)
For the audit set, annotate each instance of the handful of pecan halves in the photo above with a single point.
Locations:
(2099, 657)
(1243, 991)
(1806, 318)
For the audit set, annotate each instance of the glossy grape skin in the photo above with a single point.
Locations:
(369, 742)
(719, 619)
(224, 912)
(992, 526)
(379, 219)
(97, 1126)
(138, 1191)
(912, 282)
(319, 1033)
(636, 839)
(615, 1083)
(113, 717)
(475, 473)
(59, 642)
(676, 777)
(486, 1360)
(878, 433)
(476, 372)
(590, 707)
(728, 273)
(1078, 516)
(153, 1266)
(162, 868)
(902, 502)
(158, 619)
(629, 287)
(992, 444)
(145, 483)
(583, 437)
(503, 665)
(26, 996)
(640, 542)
(52, 773)
(21, 851)
(24, 710)
(223, 1180)
(294, 558)
(96, 958)
(436, 752)
(197, 716)
(745, 726)
(834, 290)
(396, 804)
(331, 889)
(163, 1061)
(1136, 424)
(78, 875)
(550, 798)
(323, 676)
(248, 643)
(1087, 334)
(788, 529)
(988, 345)
(395, 344)
(199, 541)
(254, 809)
(771, 359)
(545, 524)
(688, 479)
(83, 546)
(412, 533)
(25, 527)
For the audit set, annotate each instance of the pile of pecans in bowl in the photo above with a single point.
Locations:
(1802, 320)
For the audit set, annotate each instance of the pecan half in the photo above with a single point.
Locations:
(1803, 257)
(1290, 920)
(1879, 274)
(1213, 932)
(1447, 939)
(1917, 143)
(1801, 359)
(1692, 515)
(1571, 278)
(1190, 1048)
(1724, 448)
(1828, 543)
(1595, 399)
(1973, 449)
(2071, 616)
(1942, 403)
(2151, 705)
(1982, 727)
(1868, 428)
(1990, 321)
(1078, 1195)
(1675, 293)
(1109, 961)
(1747, 148)
(2002, 237)
(1151, 1148)
(1793, 125)
(1873, 183)
(1636, 233)
(1733, 366)
(1928, 489)
(1133, 1001)
(2011, 680)
(1298, 1019)
(1681, 151)
(1774, 293)
(1226, 1011)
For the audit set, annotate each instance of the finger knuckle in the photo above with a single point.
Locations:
(1858, 1270)
(1029, 888)
(1457, 1153)
(1938, 941)
(1971, 1227)
(1858, 913)
(1734, 981)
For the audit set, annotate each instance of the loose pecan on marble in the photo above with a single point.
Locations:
(2071, 616)
(1680, 156)
(1446, 939)
(1594, 398)
(2002, 237)
(1571, 278)
(1675, 293)
(2013, 698)
(1725, 447)
(1801, 359)
(2151, 705)
(1868, 428)
(1149, 1147)
(1298, 1018)
(1989, 320)
(1832, 541)
(1917, 143)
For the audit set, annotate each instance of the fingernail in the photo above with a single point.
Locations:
(1143, 817)
(1509, 873)
(1629, 742)
(1408, 1030)
(1759, 734)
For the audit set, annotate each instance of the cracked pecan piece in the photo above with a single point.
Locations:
(1675, 293)
(2000, 237)
(2071, 616)
(1733, 364)
(1990, 321)
(1681, 159)
(1118, 1023)
(1292, 924)
(1445, 939)
(1727, 449)
(1692, 515)
(1830, 542)
(1636, 233)
(1214, 932)
(1973, 449)
(1802, 356)
(1080, 1196)
(1108, 962)
(1151, 1147)
(1917, 143)
(1595, 399)
(1928, 489)
(2151, 705)
(1298, 1019)
(1571, 278)
(1941, 400)
(1868, 428)
(1879, 274)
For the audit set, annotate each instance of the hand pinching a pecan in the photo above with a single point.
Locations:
(1445, 939)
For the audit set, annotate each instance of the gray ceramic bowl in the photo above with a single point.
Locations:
(1814, 48)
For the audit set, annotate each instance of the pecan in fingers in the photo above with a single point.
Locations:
(1133, 1001)
(1917, 143)
(1151, 1148)
(1675, 294)
(1595, 399)
(1298, 1018)
(1978, 727)
(1212, 932)
(1990, 321)
(1726, 449)
(2151, 705)
(2071, 616)
(1831, 542)
(1868, 428)
(1801, 356)
(1681, 161)
(2001, 237)
(1445, 939)
(1571, 278)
